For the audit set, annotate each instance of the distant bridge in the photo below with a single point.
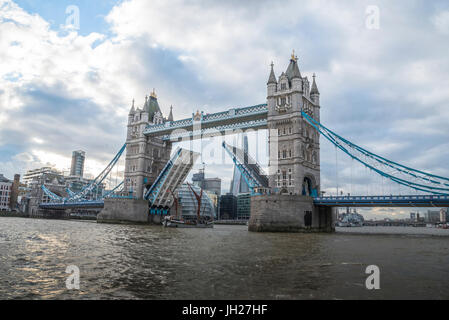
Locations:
(384, 201)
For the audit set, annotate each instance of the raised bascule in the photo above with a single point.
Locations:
(286, 199)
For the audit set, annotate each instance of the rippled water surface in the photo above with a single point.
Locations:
(227, 262)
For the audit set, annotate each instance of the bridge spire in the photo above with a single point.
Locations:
(272, 78)
(293, 69)
(132, 108)
(314, 86)
(170, 116)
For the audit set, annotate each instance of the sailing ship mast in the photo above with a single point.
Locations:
(198, 199)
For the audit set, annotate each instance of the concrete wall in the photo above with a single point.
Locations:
(286, 213)
(124, 210)
(50, 214)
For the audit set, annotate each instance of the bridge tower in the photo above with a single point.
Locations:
(145, 156)
(294, 167)
(294, 158)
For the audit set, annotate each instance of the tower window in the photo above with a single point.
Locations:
(283, 86)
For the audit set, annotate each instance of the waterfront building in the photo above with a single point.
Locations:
(5, 193)
(444, 215)
(14, 199)
(37, 174)
(432, 216)
(77, 167)
(243, 206)
(188, 205)
(215, 201)
(210, 184)
(228, 207)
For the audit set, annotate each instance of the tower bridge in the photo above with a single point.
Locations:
(286, 198)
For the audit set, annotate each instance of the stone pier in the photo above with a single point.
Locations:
(50, 214)
(289, 213)
(127, 211)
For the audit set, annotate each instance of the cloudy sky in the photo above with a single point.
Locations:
(66, 86)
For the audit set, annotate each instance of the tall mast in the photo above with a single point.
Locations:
(198, 199)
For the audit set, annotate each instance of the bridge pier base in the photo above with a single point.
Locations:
(289, 213)
(125, 211)
(50, 214)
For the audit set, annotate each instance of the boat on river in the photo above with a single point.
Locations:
(179, 222)
(170, 222)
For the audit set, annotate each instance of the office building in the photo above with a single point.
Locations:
(188, 205)
(444, 215)
(210, 184)
(432, 216)
(228, 207)
(77, 168)
(243, 206)
(5, 193)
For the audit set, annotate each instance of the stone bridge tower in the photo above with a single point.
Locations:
(294, 166)
(145, 156)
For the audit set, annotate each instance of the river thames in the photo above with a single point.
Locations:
(227, 262)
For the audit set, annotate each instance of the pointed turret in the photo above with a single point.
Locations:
(145, 106)
(272, 78)
(293, 69)
(133, 110)
(152, 106)
(314, 93)
(272, 83)
(314, 86)
(170, 116)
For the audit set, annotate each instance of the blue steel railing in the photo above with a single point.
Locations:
(209, 118)
(252, 174)
(154, 190)
(433, 200)
(262, 123)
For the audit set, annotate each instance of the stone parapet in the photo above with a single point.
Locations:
(126, 211)
(289, 213)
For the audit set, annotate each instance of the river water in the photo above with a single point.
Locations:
(227, 262)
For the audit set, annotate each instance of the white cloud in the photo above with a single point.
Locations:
(441, 22)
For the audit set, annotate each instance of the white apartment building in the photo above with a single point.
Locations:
(5, 193)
